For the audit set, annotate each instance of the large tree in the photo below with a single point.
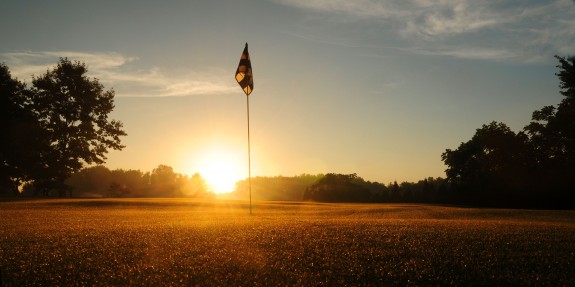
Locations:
(539, 161)
(21, 136)
(73, 111)
(495, 158)
(552, 132)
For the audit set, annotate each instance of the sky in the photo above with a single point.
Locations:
(377, 88)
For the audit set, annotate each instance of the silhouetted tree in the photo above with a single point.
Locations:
(285, 188)
(99, 181)
(495, 159)
(338, 188)
(163, 181)
(196, 187)
(21, 136)
(552, 133)
(394, 191)
(537, 165)
(73, 110)
(376, 189)
(91, 181)
(427, 190)
(130, 179)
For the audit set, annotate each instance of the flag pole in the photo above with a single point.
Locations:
(244, 77)
(249, 155)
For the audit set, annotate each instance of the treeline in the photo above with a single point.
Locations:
(99, 181)
(288, 188)
(352, 188)
(333, 187)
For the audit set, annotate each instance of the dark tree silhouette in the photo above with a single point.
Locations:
(99, 181)
(494, 160)
(394, 191)
(289, 188)
(73, 111)
(92, 181)
(163, 181)
(552, 132)
(338, 188)
(21, 136)
(532, 168)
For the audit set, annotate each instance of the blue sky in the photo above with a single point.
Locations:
(379, 88)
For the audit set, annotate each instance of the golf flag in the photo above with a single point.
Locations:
(244, 72)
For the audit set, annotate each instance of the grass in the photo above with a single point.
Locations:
(153, 242)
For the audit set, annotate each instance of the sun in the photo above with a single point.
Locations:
(221, 171)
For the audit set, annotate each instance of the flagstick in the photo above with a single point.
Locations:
(249, 154)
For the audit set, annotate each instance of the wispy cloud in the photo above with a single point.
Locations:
(449, 18)
(357, 8)
(476, 53)
(118, 71)
(24, 64)
(521, 31)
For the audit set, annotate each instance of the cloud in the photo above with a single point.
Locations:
(519, 31)
(357, 8)
(27, 63)
(475, 53)
(448, 18)
(117, 71)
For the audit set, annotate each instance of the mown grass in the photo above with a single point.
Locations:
(156, 242)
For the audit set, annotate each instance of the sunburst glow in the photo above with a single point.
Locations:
(221, 171)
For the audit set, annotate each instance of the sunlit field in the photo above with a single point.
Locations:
(155, 242)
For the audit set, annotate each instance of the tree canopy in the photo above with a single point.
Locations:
(534, 166)
(23, 138)
(494, 158)
(552, 132)
(62, 122)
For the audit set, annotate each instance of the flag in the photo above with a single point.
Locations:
(244, 74)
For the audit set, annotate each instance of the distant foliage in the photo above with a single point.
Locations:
(338, 188)
(429, 190)
(288, 188)
(99, 181)
(334, 187)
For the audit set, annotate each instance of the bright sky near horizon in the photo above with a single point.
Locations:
(377, 88)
